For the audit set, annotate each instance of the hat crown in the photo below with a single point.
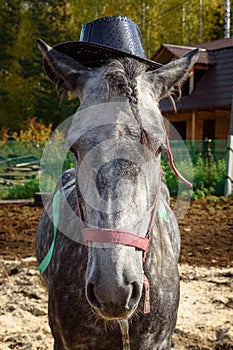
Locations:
(104, 39)
(116, 32)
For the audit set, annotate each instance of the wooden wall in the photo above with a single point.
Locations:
(221, 117)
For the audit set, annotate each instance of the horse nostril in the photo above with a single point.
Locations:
(91, 297)
(135, 295)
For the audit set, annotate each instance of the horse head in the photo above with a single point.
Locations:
(117, 136)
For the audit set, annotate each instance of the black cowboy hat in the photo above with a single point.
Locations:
(104, 39)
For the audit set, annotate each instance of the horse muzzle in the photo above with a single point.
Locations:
(113, 302)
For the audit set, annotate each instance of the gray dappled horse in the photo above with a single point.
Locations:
(91, 288)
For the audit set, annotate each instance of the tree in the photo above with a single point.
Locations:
(25, 92)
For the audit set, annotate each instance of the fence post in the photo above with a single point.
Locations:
(209, 161)
(229, 174)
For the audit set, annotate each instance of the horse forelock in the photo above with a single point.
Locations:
(121, 77)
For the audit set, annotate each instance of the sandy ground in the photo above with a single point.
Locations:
(205, 319)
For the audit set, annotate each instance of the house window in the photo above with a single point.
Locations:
(209, 129)
(198, 74)
(180, 128)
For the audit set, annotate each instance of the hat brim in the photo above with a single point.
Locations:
(93, 55)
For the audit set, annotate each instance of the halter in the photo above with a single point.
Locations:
(126, 238)
(116, 236)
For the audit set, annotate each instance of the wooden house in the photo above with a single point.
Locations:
(204, 110)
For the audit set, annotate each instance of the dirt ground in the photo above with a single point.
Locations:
(205, 318)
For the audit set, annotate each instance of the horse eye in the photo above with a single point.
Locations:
(73, 149)
(158, 151)
(75, 155)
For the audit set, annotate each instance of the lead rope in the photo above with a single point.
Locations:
(146, 285)
(124, 327)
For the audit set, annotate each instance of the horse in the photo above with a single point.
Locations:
(113, 256)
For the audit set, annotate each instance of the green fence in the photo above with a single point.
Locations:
(19, 169)
(203, 162)
(215, 148)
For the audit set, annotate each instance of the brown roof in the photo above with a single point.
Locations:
(215, 88)
(217, 44)
(167, 52)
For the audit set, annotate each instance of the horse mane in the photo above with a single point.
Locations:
(121, 77)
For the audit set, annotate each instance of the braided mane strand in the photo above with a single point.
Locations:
(121, 78)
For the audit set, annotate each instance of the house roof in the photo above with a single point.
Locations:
(215, 88)
(217, 44)
(168, 52)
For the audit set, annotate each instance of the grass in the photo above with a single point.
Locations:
(20, 191)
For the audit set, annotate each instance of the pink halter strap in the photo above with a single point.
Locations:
(171, 161)
(115, 236)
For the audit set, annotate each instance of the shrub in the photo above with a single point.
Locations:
(207, 178)
(33, 131)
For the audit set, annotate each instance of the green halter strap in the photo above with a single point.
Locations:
(56, 210)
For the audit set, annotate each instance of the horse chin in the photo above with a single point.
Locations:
(114, 313)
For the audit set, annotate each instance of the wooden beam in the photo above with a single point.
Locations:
(193, 124)
(191, 81)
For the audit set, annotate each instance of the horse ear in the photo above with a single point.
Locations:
(171, 76)
(67, 73)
